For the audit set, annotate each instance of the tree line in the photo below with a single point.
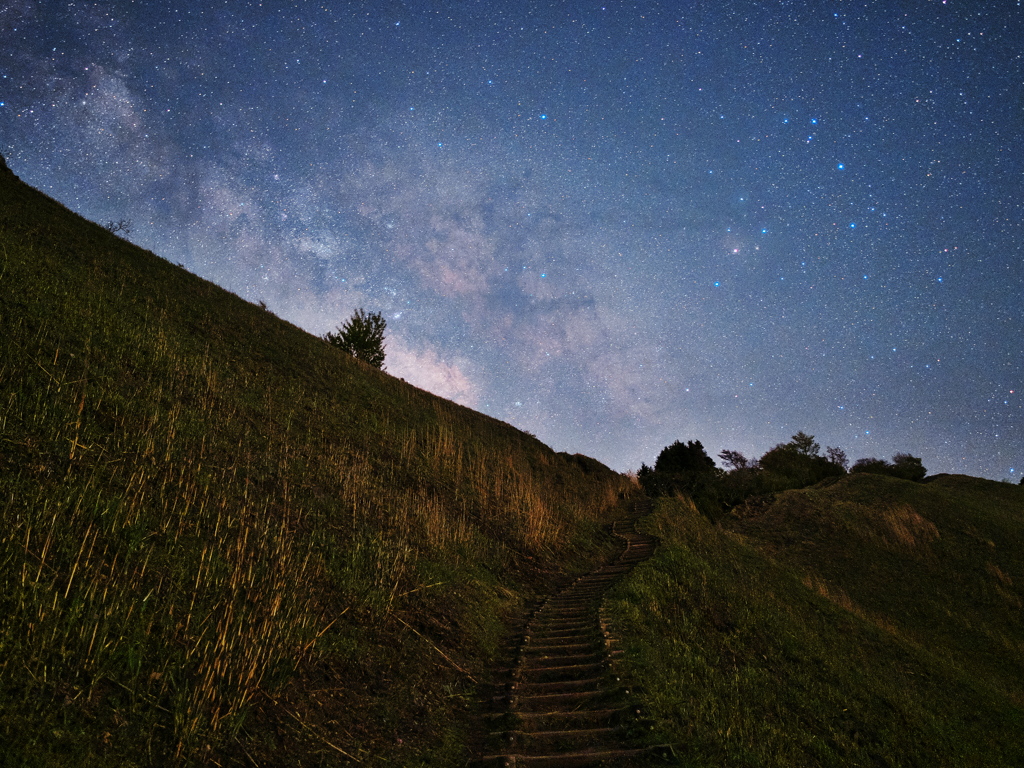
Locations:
(687, 468)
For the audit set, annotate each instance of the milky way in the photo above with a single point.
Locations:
(614, 226)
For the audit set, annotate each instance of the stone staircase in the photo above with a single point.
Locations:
(564, 704)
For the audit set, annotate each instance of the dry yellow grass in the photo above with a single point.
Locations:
(202, 504)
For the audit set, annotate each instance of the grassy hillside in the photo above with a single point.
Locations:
(223, 541)
(864, 621)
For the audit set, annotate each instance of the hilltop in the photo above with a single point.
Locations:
(865, 620)
(225, 541)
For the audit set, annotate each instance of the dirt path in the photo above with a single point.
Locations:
(564, 705)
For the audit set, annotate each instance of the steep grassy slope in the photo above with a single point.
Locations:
(864, 621)
(224, 541)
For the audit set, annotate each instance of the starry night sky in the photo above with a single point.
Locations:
(614, 225)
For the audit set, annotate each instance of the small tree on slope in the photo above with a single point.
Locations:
(362, 336)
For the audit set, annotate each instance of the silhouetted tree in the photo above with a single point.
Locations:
(908, 467)
(838, 457)
(122, 227)
(684, 457)
(796, 464)
(743, 481)
(804, 444)
(903, 465)
(872, 466)
(734, 459)
(362, 336)
(683, 468)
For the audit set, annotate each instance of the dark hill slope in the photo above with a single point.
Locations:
(864, 621)
(224, 541)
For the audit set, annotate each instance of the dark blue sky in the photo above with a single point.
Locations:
(614, 225)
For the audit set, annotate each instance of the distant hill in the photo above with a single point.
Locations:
(224, 541)
(866, 620)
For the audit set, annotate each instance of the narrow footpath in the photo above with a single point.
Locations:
(564, 705)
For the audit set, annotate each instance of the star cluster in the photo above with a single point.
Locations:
(613, 225)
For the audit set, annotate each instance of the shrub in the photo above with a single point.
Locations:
(903, 466)
(362, 336)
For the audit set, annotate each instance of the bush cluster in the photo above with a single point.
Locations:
(902, 465)
(686, 468)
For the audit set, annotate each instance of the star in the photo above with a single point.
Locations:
(288, 164)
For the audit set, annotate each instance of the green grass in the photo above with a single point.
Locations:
(866, 621)
(223, 541)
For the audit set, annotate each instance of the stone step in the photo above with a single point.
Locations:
(558, 740)
(564, 707)
(547, 660)
(579, 759)
(578, 718)
(530, 688)
(552, 622)
(558, 671)
(558, 702)
(548, 648)
(557, 634)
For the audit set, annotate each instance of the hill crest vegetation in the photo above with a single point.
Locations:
(686, 468)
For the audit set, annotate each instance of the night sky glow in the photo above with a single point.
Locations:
(615, 226)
